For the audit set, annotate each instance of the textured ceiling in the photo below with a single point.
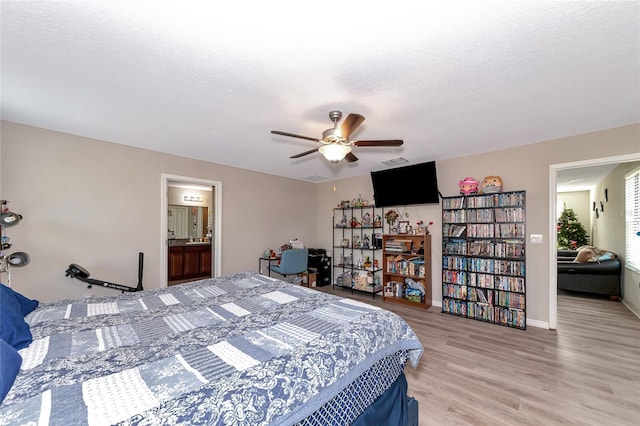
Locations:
(209, 80)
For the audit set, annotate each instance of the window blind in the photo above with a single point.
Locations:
(632, 219)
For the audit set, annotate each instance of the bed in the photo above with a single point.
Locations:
(242, 349)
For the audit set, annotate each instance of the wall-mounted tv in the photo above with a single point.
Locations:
(402, 186)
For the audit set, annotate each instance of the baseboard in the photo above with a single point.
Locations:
(436, 303)
(538, 324)
(634, 310)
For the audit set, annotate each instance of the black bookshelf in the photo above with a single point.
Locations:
(483, 257)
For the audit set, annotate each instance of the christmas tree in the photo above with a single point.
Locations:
(571, 233)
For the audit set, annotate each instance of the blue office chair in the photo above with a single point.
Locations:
(292, 262)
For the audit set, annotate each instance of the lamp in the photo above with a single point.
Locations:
(18, 259)
(334, 152)
(8, 218)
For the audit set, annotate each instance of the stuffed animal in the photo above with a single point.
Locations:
(586, 254)
(468, 186)
(491, 185)
(592, 254)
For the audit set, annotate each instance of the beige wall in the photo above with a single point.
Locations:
(175, 196)
(609, 229)
(521, 168)
(98, 204)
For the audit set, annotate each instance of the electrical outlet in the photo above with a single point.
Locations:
(535, 238)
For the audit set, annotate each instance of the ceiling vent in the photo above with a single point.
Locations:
(395, 161)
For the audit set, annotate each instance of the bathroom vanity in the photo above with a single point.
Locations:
(189, 260)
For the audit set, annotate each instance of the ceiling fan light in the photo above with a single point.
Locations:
(334, 152)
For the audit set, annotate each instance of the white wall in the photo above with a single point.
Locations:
(98, 204)
(521, 168)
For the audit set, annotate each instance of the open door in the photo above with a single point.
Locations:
(190, 229)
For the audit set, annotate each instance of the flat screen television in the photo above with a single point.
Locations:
(402, 186)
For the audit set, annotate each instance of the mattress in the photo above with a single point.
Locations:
(242, 349)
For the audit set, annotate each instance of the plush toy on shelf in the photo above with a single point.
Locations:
(491, 185)
(468, 186)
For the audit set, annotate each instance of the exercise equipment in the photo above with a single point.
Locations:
(77, 271)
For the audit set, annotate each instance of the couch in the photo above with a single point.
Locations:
(601, 277)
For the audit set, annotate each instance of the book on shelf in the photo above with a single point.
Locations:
(454, 230)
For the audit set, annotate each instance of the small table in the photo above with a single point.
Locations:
(269, 260)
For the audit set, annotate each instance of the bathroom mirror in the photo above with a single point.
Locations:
(187, 221)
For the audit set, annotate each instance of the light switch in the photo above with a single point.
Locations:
(535, 238)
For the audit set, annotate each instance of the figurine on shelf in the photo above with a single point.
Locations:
(366, 220)
(377, 221)
(356, 241)
(354, 223)
(367, 262)
(366, 242)
(343, 222)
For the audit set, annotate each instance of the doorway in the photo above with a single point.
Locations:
(554, 169)
(201, 203)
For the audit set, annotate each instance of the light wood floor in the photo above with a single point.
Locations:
(473, 373)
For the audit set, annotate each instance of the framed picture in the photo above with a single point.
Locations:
(403, 226)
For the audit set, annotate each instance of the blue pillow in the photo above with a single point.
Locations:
(13, 328)
(10, 361)
(607, 256)
(26, 305)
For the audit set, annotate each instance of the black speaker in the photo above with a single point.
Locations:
(322, 264)
(324, 272)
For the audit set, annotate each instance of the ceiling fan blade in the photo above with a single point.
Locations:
(393, 142)
(350, 157)
(350, 124)
(302, 154)
(293, 135)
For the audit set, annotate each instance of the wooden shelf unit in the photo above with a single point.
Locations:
(403, 258)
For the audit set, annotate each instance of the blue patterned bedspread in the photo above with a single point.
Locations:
(237, 350)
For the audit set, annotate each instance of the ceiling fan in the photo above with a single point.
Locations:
(335, 142)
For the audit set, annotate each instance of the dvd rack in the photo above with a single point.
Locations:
(483, 257)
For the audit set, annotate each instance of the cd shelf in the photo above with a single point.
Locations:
(483, 257)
